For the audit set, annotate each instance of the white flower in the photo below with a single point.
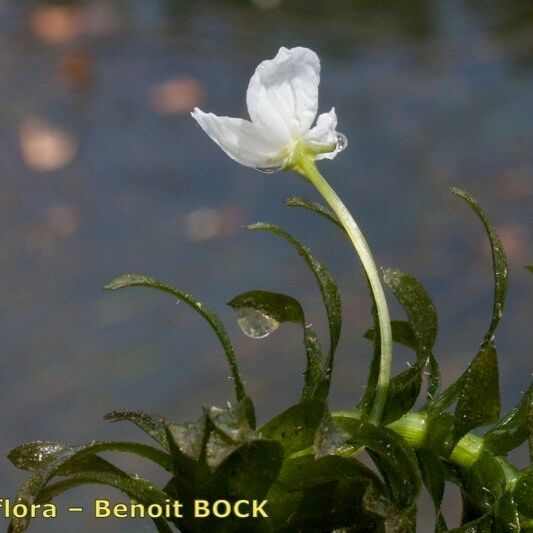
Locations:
(282, 100)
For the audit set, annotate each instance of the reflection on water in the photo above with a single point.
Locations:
(102, 172)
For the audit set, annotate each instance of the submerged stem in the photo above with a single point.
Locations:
(306, 166)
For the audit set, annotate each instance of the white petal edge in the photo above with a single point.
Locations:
(240, 139)
(325, 132)
(282, 96)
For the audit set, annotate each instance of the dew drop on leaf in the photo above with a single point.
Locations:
(254, 323)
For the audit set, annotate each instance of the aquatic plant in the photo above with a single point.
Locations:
(305, 462)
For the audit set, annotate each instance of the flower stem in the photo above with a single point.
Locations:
(306, 166)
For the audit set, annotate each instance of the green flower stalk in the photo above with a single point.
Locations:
(282, 101)
(306, 166)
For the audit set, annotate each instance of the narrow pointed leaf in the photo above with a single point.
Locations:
(500, 270)
(328, 288)
(418, 307)
(135, 280)
(34, 455)
(423, 326)
(441, 402)
(402, 333)
(40, 454)
(402, 394)
(499, 262)
(511, 430)
(277, 309)
(478, 405)
(152, 424)
(314, 207)
(434, 378)
(433, 475)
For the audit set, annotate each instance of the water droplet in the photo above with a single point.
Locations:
(254, 323)
(269, 170)
(342, 142)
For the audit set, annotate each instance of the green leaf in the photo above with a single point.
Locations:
(447, 397)
(135, 280)
(500, 269)
(305, 471)
(529, 267)
(367, 402)
(39, 454)
(394, 459)
(478, 403)
(420, 333)
(499, 262)
(328, 289)
(406, 385)
(314, 207)
(250, 470)
(418, 307)
(68, 460)
(402, 394)
(484, 482)
(434, 378)
(275, 309)
(507, 517)
(323, 495)
(523, 493)
(101, 472)
(34, 455)
(152, 424)
(402, 333)
(439, 435)
(249, 410)
(511, 430)
(296, 427)
(433, 475)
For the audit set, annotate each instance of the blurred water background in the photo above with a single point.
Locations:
(102, 171)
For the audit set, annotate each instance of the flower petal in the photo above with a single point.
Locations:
(325, 133)
(282, 96)
(240, 139)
